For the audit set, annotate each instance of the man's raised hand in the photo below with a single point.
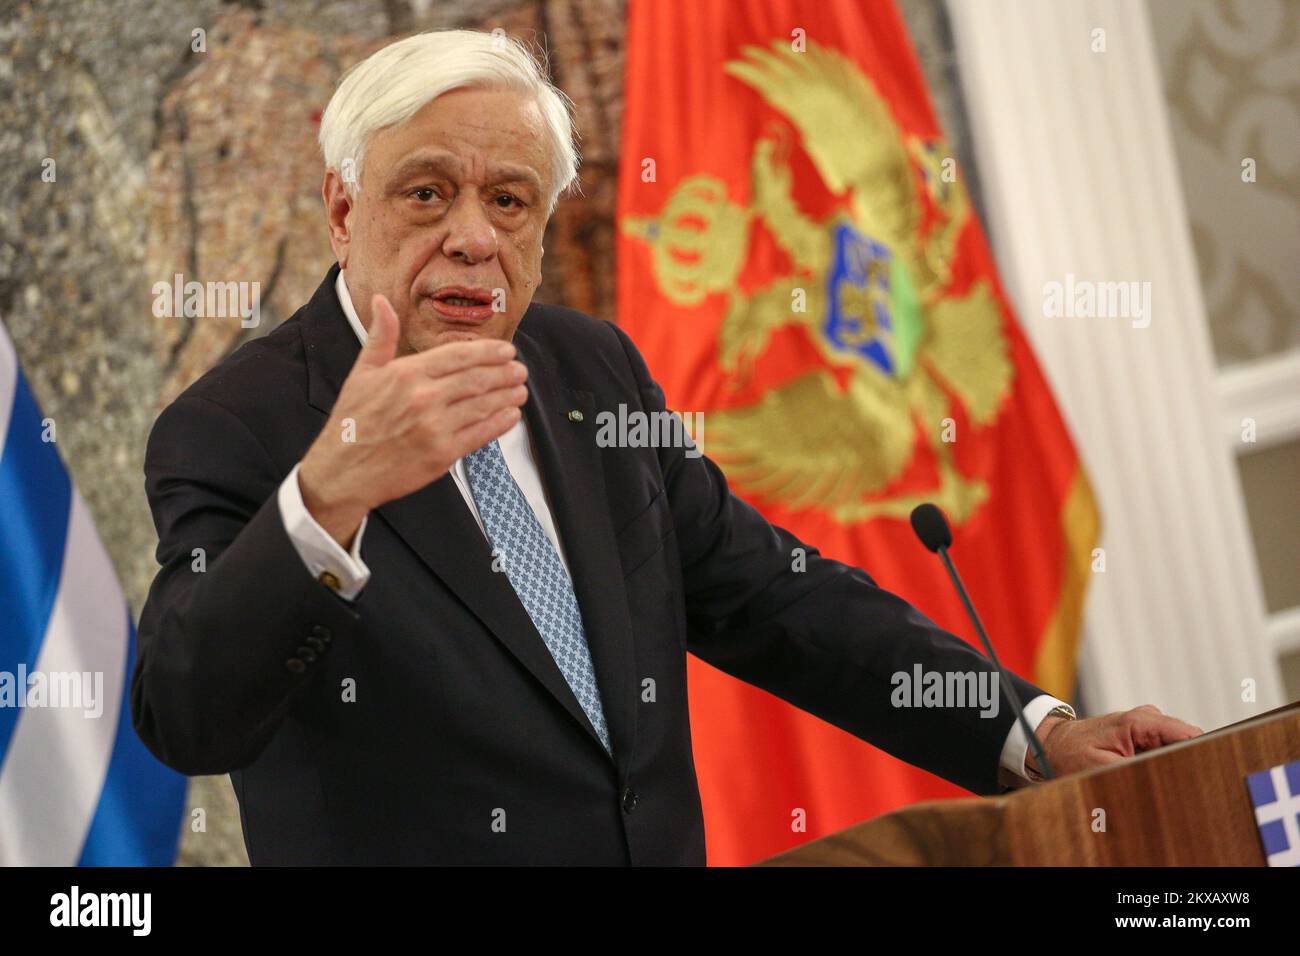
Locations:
(401, 422)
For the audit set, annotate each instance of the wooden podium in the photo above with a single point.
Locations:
(1182, 805)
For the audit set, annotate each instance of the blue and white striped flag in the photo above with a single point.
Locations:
(77, 787)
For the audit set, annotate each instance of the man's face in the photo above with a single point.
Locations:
(449, 221)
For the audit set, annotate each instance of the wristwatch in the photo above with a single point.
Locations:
(1032, 772)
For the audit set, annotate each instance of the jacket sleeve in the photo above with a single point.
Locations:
(234, 625)
(824, 637)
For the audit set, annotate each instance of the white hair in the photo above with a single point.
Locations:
(394, 83)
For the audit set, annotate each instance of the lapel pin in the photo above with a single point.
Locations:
(575, 415)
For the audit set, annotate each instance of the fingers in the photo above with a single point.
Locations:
(1171, 730)
(1116, 736)
(1099, 756)
(1149, 728)
(475, 436)
(480, 380)
(454, 357)
(381, 341)
(481, 407)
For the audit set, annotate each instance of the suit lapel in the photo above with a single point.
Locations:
(437, 525)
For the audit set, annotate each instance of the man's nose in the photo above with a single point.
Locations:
(470, 235)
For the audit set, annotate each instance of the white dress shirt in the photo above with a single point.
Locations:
(322, 554)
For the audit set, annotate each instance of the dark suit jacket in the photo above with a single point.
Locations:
(461, 719)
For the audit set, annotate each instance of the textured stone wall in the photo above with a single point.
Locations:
(168, 160)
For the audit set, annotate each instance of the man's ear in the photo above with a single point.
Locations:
(338, 206)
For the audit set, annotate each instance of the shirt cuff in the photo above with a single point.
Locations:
(342, 572)
(1016, 748)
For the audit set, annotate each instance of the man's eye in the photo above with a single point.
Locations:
(510, 201)
(425, 194)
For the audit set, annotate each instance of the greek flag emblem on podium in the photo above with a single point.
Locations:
(1275, 795)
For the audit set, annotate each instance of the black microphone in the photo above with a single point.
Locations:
(932, 528)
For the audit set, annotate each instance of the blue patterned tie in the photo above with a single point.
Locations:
(537, 575)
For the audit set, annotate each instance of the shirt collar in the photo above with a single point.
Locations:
(345, 300)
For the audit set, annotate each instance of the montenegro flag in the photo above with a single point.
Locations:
(799, 261)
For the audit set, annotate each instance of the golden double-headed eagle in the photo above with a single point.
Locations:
(870, 284)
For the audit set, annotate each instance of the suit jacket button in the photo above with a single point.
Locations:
(296, 664)
(629, 800)
(307, 654)
(322, 632)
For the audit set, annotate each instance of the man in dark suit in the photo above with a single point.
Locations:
(411, 604)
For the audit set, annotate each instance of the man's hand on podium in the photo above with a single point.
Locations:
(1073, 745)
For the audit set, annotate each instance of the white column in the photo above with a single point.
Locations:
(1078, 175)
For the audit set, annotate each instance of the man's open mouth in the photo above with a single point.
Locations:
(463, 304)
